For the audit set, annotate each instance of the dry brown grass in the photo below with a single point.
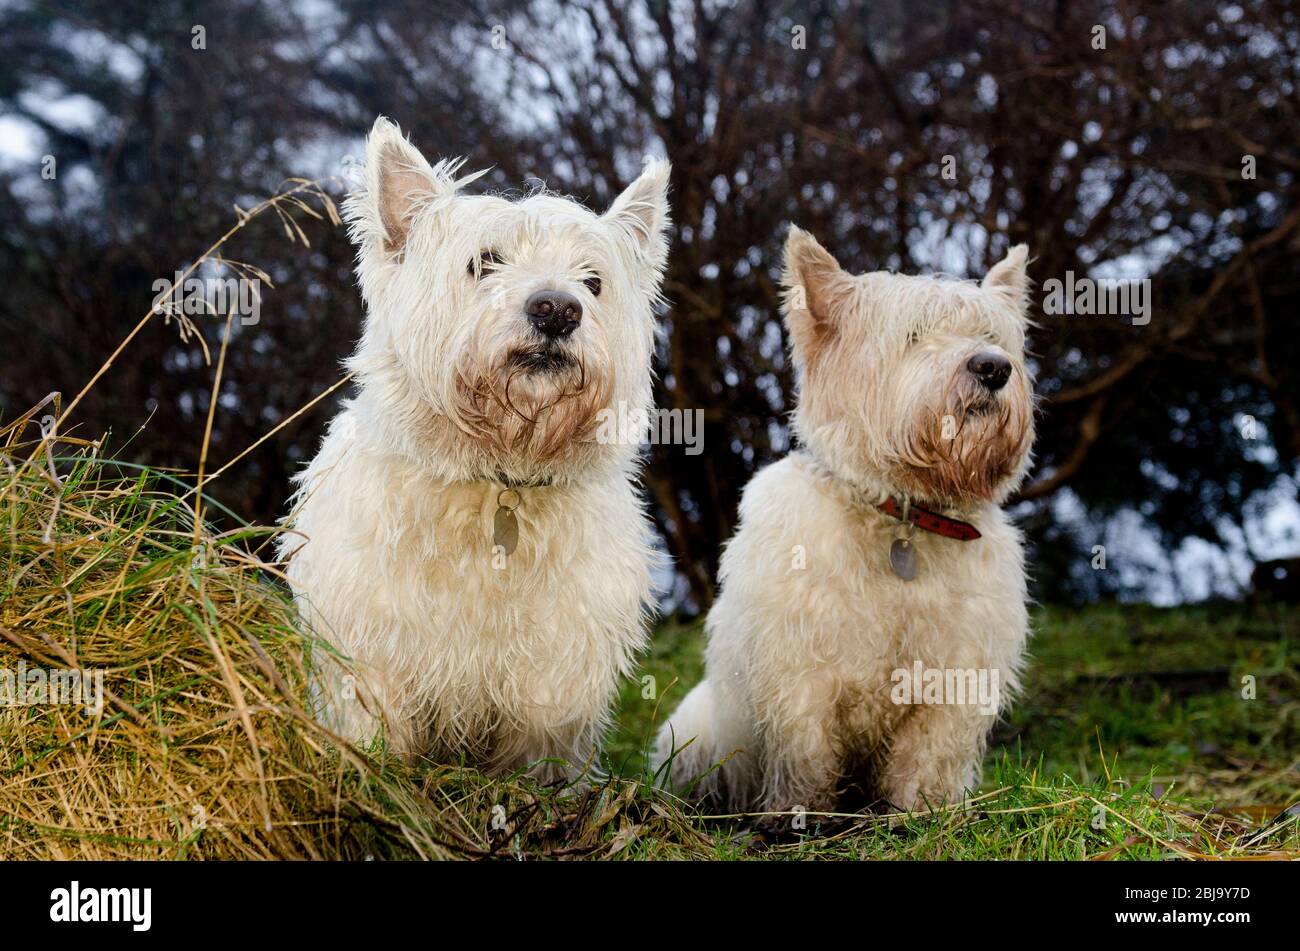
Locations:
(204, 746)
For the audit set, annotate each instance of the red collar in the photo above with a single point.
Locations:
(931, 521)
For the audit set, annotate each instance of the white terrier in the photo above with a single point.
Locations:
(463, 538)
(915, 412)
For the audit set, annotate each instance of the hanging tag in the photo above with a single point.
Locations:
(902, 558)
(902, 553)
(505, 525)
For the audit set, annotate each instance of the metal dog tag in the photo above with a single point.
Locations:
(505, 530)
(505, 526)
(902, 558)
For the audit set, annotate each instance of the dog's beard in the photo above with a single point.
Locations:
(968, 444)
(534, 404)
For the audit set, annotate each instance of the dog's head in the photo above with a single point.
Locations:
(501, 329)
(912, 385)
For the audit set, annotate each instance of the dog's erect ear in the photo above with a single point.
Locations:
(642, 210)
(1009, 273)
(814, 282)
(399, 181)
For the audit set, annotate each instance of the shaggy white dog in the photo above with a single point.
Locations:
(463, 537)
(850, 650)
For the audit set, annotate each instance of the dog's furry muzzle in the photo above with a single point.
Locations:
(970, 442)
(533, 404)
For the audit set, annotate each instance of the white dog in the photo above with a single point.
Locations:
(850, 649)
(463, 538)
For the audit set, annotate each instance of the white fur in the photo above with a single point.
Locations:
(459, 650)
(811, 621)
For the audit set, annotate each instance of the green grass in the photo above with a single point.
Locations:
(1132, 731)
(1111, 690)
(1161, 692)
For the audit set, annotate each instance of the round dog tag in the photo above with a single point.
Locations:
(902, 558)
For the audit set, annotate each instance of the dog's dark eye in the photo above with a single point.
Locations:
(593, 285)
(487, 262)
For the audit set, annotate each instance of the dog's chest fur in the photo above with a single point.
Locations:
(400, 573)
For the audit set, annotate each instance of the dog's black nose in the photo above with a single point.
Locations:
(991, 369)
(553, 313)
